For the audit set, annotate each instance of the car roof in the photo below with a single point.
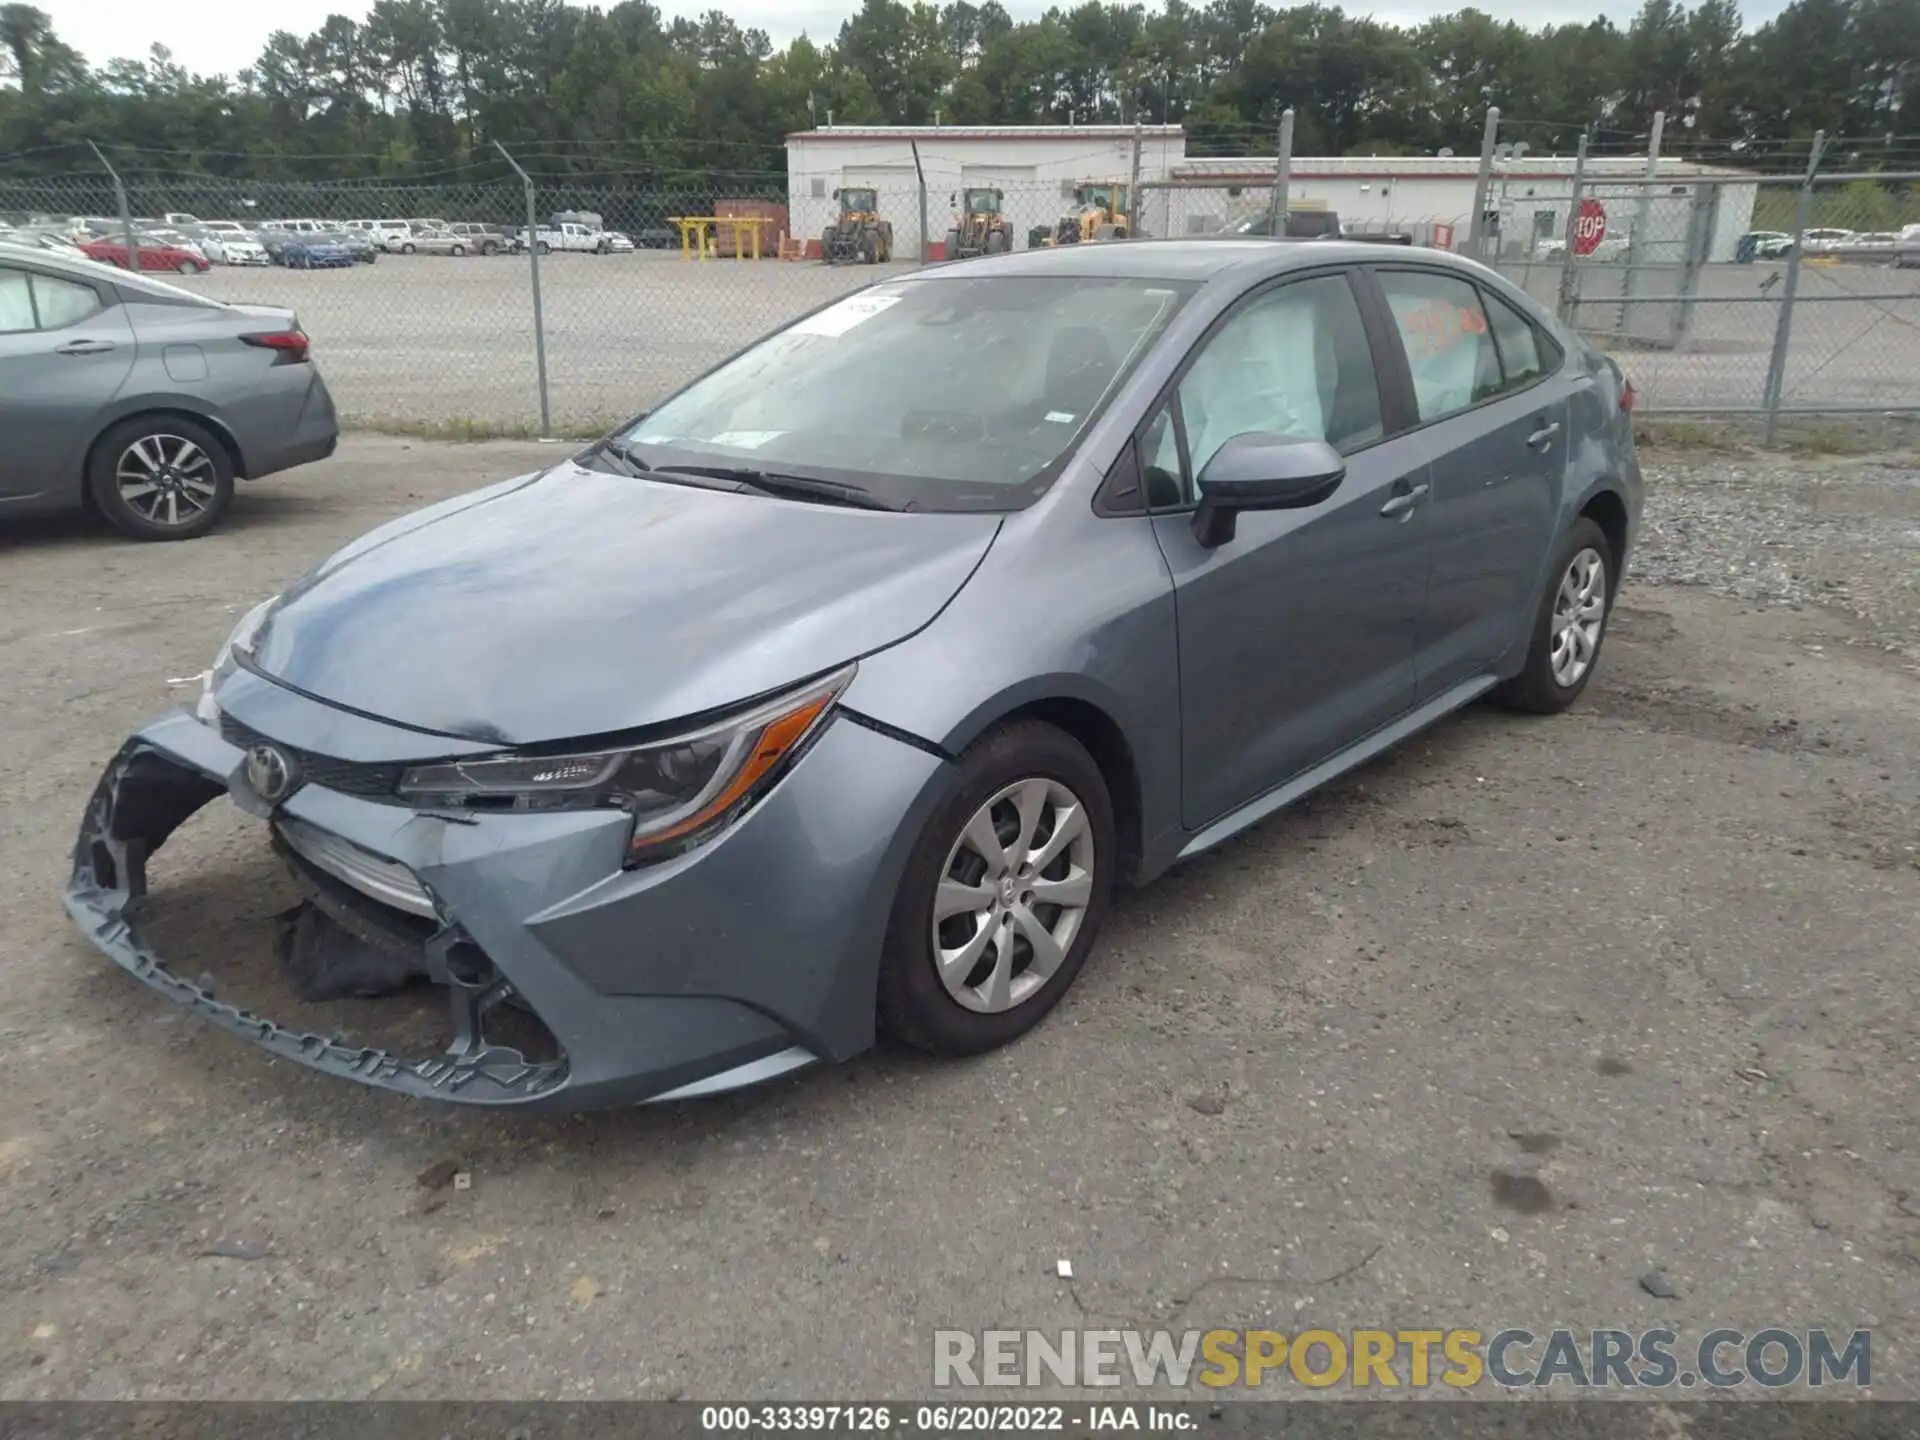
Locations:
(1202, 258)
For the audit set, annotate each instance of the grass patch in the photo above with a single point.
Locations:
(467, 430)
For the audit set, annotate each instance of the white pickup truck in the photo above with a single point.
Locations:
(573, 237)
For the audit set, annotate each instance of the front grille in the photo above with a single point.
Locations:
(350, 777)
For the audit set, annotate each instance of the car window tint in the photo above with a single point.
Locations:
(1447, 339)
(16, 303)
(1294, 362)
(1517, 341)
(63, 302)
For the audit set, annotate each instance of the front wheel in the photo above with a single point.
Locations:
(458, 250)
(1002, 896)
(407, 249)
(160, 478)
(545, 248)
(1568, 627)
(187, 267)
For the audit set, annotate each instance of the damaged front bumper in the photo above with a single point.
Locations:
(744, 959)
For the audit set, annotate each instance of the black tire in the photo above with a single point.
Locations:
(914, 1007)
(487, 247)
(458, 250)
(407, 248)
(104, 464)
(998, 242)
(1535, 688)
(187, 267)
(952, 252)
(545, 248)
(870, 250)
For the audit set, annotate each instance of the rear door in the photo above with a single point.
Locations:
(1490, 392)
(65, 350)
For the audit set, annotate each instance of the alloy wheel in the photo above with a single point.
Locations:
(1012, 895)
(1579, 612)
(166, 479)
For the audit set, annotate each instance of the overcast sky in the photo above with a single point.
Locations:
(223, 36)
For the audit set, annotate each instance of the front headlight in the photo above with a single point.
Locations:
(680, 791)
(239, 642)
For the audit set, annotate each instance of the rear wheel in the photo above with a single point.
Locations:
(1002, 896)
(407, 249)
(160, 477)
(1569, 626)
(458, 250)
(998, 242)
(952, 251)
(545, 248)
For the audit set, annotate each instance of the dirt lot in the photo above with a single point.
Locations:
(1480, 1036)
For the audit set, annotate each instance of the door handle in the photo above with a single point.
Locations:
(84, 347)
(1405, 501)
(1543, 437)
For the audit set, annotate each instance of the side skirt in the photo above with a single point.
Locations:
(1358, 753)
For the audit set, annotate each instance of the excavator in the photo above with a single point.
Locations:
(859, 234)
(1103, 213)
(979, 227)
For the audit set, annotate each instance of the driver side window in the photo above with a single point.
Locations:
(1294, 361)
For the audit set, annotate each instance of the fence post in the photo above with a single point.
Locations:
(1783, 328)
(539, 314)
(1282, 202)
(921, 176)
(126, 213)
(1133, 174)
(1564, 309)
(1483, 186)
(1642, 222)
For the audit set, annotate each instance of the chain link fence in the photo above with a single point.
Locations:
(1724, 292)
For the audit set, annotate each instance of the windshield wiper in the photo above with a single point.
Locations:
(793, 487)
(627, 462)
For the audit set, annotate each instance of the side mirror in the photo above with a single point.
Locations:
(1261, 471)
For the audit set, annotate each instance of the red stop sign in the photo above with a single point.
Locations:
(1590, 228)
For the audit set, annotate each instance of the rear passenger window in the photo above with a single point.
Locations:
(1448, 342)
(16, 302)
(1517, 341)
(63, 302)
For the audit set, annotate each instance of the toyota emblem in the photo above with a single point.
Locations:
(270, 772)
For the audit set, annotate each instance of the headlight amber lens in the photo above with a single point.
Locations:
(679, 791)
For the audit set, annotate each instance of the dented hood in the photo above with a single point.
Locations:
(576, 603)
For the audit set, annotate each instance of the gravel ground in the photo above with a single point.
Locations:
(1480, 1035)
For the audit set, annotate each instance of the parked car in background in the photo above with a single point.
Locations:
(1822, 240)
(179, 218)
(99, 410)
(1906, 250)
(175, 239)
(388, 234)
(149, 257)
(1257, 513)
(227, 248)
(358, 243)
(423, 241)
(305, 252)
(1762, 245)
(485, 239)
(656, 237)
(571, 236)
(1869, 246)
(619, 243)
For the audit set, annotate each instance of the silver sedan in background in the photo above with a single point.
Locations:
(144, 402)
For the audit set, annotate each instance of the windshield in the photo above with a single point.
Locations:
(859, 200)
(947, 394)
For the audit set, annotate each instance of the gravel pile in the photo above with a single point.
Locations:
(1778, 530)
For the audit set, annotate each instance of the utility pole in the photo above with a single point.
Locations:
(539, 317)
(1483, 186)
(921, 175)
(126, 215)
(1280, 202)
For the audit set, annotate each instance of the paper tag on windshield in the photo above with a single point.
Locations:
(1059, 417)
(838, 319)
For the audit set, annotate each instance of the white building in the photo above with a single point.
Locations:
(1432, 197)
(1036, 166)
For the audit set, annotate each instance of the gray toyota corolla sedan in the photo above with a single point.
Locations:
(834, 696)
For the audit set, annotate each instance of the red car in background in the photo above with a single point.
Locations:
(152, 257)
